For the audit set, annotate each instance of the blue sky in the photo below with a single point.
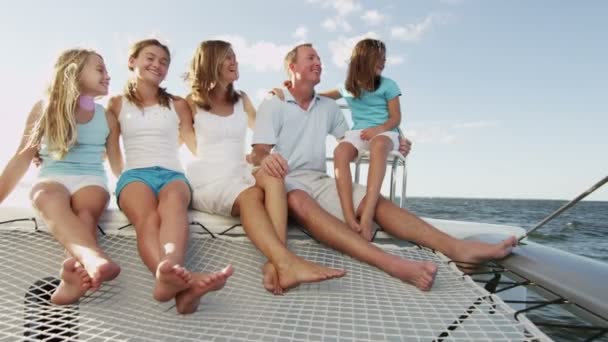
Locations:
(502, 99)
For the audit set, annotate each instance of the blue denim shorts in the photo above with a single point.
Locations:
(154, 177)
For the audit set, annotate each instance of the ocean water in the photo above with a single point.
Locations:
(582, 230)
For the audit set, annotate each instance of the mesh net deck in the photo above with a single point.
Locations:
(364, 305)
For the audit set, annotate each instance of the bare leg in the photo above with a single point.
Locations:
(405, 225)
(334, 233)
(72, 221)
(343, 155)
(171, 276)
(292, 270)
(140, 205)
(275, 202)
(380, 146)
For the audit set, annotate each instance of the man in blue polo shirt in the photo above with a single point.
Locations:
(289, 143)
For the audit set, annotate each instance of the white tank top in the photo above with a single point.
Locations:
(220, 144)
(150, 136)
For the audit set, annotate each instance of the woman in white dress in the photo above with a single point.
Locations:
(224, 183)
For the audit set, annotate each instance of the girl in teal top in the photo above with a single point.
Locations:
(374, 103)
(71, 192)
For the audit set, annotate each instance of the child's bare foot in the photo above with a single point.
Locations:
(298, 270)
(188, 300)
(271, 279)
(170, 279)
(418, 273)
(100, 268)
(75, 282)
(475, 252)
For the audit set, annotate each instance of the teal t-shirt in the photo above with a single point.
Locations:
(371, 109)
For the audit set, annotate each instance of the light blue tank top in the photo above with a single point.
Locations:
(85, 158)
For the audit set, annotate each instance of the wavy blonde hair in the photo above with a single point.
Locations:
(204, 73)
(130, 91)
(57, 124)
(361, 73)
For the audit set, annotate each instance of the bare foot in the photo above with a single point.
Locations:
(170, 279)
(100, 268)
(271, 279)
(188, 300)
(75, 282)
(475, 252)
(418, 273)
(298, 270)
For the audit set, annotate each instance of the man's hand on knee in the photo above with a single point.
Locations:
(275, 165)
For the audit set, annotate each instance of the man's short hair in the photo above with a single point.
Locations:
(292, 56)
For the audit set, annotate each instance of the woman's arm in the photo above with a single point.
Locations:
(113, 142)
(21, 160)
(186, 123)
(249, 109)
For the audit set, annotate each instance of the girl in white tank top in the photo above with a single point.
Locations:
(222, 180)
(152, 190)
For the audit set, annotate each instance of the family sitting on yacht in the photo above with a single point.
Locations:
(284, 174)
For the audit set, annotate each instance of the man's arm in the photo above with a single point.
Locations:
(272, 163)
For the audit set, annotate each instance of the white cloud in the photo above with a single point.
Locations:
(395, 60)
(445, 132)
(342, 47)
(342, 7)
(413, 32)
(336, 23)
(373, 17)
(301, 33)
(261, 55)
(476, 124)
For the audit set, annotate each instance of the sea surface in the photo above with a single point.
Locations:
(582, 230)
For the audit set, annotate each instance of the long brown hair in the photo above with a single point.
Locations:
(362, 67)
(130, 91)
(58, 122)
(204, 73)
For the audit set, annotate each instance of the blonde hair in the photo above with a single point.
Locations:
(292, 56)
(204, 73)
(361, 73)
(58, 122)
(130, 91)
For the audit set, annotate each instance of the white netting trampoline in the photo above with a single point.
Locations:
(365, 305)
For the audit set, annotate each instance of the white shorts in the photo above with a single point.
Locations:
(323, 189)
(218, 197)
(74, 183)
(354, 137)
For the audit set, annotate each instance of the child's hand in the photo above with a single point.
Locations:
(369, 133)
(405, 145)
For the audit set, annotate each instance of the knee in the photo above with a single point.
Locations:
(41, 198)
(267, 181)
(297, 201)
(253, 194)
(380, 144)
(343, 152)
(149, 220)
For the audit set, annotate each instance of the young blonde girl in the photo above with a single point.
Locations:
(152, 190)
(70, 132)
(223, 182)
